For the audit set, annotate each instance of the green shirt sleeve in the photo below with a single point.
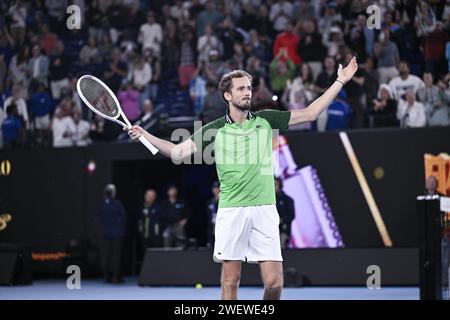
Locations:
(273, 67)
(277, 119)
(291, 68)
(206, 134)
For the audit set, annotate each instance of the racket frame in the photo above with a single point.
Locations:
(120, 112)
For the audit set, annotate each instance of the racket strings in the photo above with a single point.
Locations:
(98, 97)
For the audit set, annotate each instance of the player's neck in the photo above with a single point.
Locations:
(238, 115)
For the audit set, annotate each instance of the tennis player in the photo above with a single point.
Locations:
(247, 219)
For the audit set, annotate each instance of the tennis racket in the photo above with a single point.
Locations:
(101, 100)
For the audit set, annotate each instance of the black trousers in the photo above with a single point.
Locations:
(111, 257)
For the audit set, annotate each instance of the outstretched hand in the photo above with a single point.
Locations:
(347, 73)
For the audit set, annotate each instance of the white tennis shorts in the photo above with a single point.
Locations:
(247, 234)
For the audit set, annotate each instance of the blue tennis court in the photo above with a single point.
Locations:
(97, 290)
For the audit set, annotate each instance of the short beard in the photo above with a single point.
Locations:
(244, 107)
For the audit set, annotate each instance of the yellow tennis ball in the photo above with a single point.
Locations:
(378, 173)
(198, 286)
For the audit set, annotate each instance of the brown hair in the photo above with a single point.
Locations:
(226, 81)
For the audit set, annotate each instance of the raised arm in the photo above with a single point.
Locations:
(167, 148)
(321, 103)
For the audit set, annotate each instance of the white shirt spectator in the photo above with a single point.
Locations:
(177, 11)
(89, 54)
(60, 127)
(151, 37)
(21, 107)
(446, 14)
(18, 15)
(411, 116)
(297, 85)
(140, 77)
(205, 45)
(81, 133)
(399, 86)
(328, 23)
(280, 20)
(333, 44)
(36, 67)
(18, 71)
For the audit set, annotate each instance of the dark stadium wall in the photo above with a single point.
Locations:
(53, 198)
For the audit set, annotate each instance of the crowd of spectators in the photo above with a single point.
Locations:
(173, 53)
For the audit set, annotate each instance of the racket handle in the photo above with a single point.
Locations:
(149, 146)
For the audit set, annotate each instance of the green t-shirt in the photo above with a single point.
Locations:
(243, 156)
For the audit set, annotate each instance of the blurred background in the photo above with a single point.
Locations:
(163, 60)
